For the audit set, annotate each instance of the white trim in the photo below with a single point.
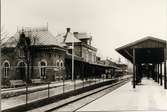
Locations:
(21, 62)
(61, 62)
(6, 61)
(21, 52)
(43, 60)
(5, 73)
(58, 62)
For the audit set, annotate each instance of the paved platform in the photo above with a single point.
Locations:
(149, 96)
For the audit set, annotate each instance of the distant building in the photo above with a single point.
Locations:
(32, 54)
(123, 69)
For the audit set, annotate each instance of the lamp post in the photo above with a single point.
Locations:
(0, 68)
(72, 60)
(71, 39)
(73, 78)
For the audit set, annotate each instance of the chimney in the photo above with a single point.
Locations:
(65, 36)
(68, 30)
(76, 34)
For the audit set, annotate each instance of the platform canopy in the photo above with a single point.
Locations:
(147, 50)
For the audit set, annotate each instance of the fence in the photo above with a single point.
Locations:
(13, 97)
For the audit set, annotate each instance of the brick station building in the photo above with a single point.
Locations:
(32, 54)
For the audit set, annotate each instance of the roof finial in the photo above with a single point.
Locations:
(68, 30)
(17, 29)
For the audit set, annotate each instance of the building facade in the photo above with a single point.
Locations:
(82, 45)
(36, 55)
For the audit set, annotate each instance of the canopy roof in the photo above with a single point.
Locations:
(144, 43)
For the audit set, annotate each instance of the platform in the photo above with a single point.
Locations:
(149, 96)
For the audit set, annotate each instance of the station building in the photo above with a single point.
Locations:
(35, 55)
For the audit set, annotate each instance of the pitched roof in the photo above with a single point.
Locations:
(60, 39)
(127, 51)
(71, 38)
(67, 37)
(37, 37)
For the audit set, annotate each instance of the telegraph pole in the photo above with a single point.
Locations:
(72, 60)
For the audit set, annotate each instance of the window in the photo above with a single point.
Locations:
(57, 63)
(21, 53)
(43, 69)
(50, 55)
(61, 64)
(6, 70)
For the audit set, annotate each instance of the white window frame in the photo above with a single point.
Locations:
(61, 63)
(21, 53)
(58, 63)
(6, 69)
(42, 67)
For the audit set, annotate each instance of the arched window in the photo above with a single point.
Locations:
(61, 64)
(57, 63)
(43, 65)
(6, 70)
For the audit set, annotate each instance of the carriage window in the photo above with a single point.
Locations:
(6, 70)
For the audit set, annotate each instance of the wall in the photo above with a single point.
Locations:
(51, 57)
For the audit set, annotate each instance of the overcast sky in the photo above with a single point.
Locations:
(112, 23)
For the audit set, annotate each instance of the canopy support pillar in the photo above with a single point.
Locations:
(134, 70)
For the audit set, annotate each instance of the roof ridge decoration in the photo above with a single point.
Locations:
(32, 29)
(38, 36)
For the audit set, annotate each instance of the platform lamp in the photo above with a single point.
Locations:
(70, 38)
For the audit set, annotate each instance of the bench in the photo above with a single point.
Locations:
(57, 78)
(14, 83)
(36, 81)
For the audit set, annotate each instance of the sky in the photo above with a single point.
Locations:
(112, 23)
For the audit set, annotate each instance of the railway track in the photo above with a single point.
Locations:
(74, 103)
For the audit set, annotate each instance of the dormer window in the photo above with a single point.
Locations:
(21, 53)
